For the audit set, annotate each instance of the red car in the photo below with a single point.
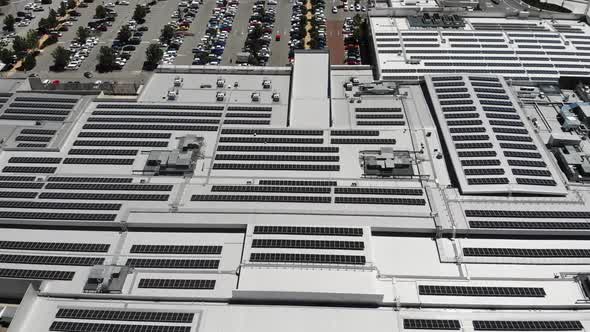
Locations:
(278, 37)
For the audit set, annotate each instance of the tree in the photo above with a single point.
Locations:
(6, 55)
(52, 19)
(71, 4)
(357, 20)
(29, 62)
(19, 45)
(9, 23)
(82, 34)
(167, 33)
(44, 25)
(61, 57)
(154, 54)
(139, 13)
(106, 58)
(46, 2)
(62, 9)
(100, 12)
(4, 2)
(124, 34)
(32, 39)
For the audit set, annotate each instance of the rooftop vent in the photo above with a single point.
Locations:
(276, 97)
(255, 96)
(266, 84)
(178, 81)
(106, 279)
(172, 94)
(220, 82)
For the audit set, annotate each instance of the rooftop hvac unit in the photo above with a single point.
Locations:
(276, 97)
(266, 84)
(172, 94)
(178, 81)
(348, 86)
(255, 96)
(220, 96)
(355, 81)
(220, 82)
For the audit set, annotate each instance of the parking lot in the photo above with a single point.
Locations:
(160, 15)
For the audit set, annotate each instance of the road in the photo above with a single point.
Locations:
(198, 27)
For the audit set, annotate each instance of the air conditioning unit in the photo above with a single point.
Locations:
(220, 82)
(255, 96)
(276, 97)
(220, 96)
(266, 84)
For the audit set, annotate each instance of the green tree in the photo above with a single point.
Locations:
(4, 2)
(19, 45)
(154, 54)
(83, 33)
(106, 58)
(61, 57)
(167, 33)
(32, 39)
(139, 13)
(6, 55)
(43, 26)
(357, 20)
(52, 19)
(124, 34)
(100, 12)
(9, 23)
(62, 9)
(29, 62)
(71, 4)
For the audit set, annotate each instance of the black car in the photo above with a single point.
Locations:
(142, 28)
(129, 48)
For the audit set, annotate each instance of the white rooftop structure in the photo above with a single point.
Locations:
(202, 213)
(310, 102)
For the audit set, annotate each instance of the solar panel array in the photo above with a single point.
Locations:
(486, 152)
(377, 117)
(33, 108)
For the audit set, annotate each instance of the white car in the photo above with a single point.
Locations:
(334, 10)
(357, 7)
(272, 2)
(110, 5)
(124, 3)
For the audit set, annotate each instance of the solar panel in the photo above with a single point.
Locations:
(377, 109)
(526, 252)
(470, 137)
(518, 146)
(121, 143)
(46, 99)
(98, 161)
(24, 138)
(87, 179)
(104, 197)
(281, 157)
(309, 230)
(259, 198)
(173, 263)
(160, 106)
(42, 106)
(461, 115)
(510, 130)
(51, 260)
(297, 183)
(22, 185)
(480, 162)
(363, 141)
(506, 123)
(58, 205)
(513, 138)
(38, 131)
(354, 133)
(54, 246)
(526, 214)
(379, 191)
(483, 171)
(380, 123)
(175, 249)
(36, 111)
(248, 115)
(103, 152)
(485, 145)
(530, 172)
(307, 258)
(536, 182)
(441, 290)
(459, 130)
(502, 116)
(36, 274)
(32, 117)
(17, 178)
(245, 122)
(34, 160)
(124, 134)
(464, 123)
(487, 181)
(155, 113)
(265, 148)
(66, 326)
(274, 140)
(308, 244)
(176, 284)
(250, 108)
(515, 325)
(18, 194)
(473, 154)
(28, 169)
(288, 132)
(529, 163)
(431, 324)
(104, 186)
(151, 120)
(528, 225)
(31, 145)
(279, 167)
(272, 189)
(380, 200)
(121, 126)
(125, 315)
